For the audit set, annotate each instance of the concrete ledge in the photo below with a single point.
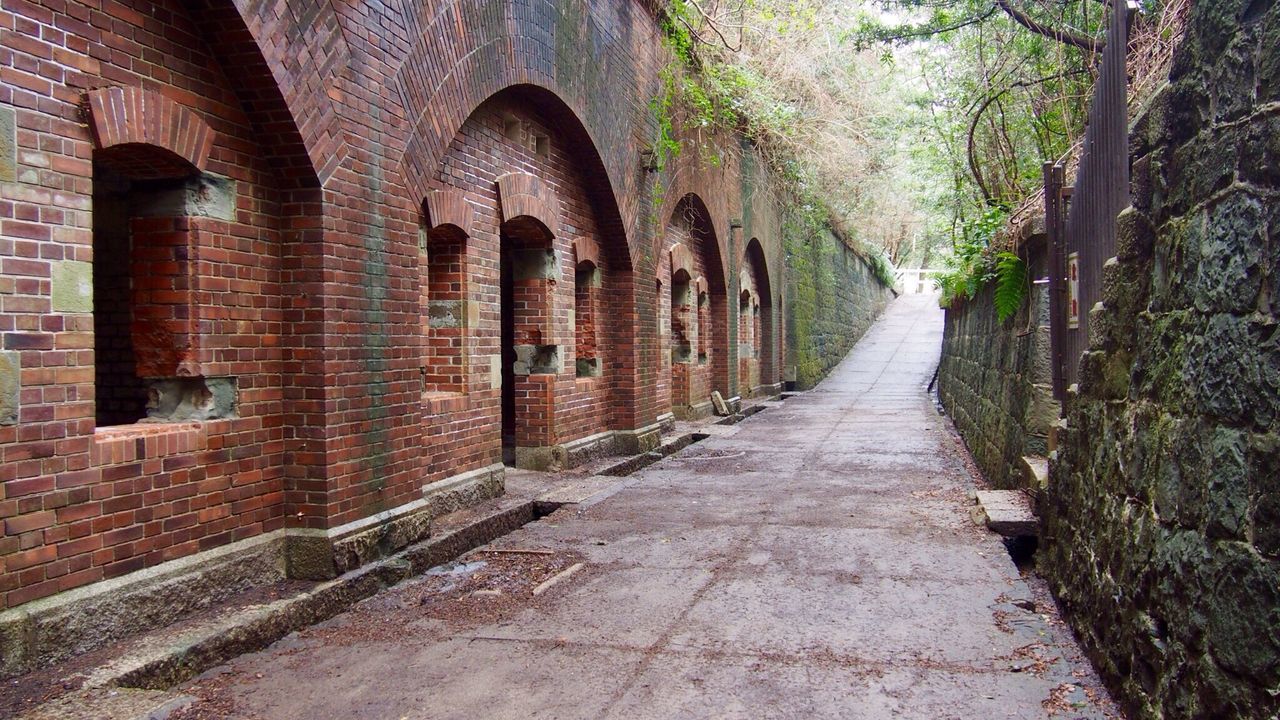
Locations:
(465, 490)
(51, 629)
(552, 458)
(667, 447)
(631, 442)
(1035, 472)
(769, 391)
(696, 411)
(324, 554)
(1007, 512)
(592, 447)
(168, 660)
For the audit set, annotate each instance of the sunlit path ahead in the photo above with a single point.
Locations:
(816, 562)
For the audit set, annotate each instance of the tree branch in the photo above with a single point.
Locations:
(714, 25)
(1062, 36)
(974, 166)
(923, 31)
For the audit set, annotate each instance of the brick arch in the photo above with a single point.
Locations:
(586, 250)
(692, 210)
(682, 259)
(754, 268)
(532, 196)
(522, 195)
(448, 208)
(685, 193)
(690, 215)
(754, 260)
(124, 118)
(439, 92)
(277, 84)
(433, 132)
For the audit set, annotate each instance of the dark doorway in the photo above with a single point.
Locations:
(508, 343)
(121, 396)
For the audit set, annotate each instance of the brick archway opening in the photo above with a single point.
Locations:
(143, 277)
(762, 332)
(700, 305)
(531, 358)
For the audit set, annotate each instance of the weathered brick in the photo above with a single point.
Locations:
(313, 290)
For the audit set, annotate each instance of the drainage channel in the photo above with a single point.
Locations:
(1022, 550)
(182, 656)
(644, 460)
(674, 445)
(178, 658)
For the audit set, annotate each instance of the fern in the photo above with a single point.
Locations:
(1011, 284)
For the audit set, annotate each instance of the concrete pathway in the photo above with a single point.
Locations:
(817, 561)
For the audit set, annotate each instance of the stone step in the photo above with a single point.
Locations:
(1035, 472)
(1007, 512)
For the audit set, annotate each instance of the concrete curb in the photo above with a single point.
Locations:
(170, 661)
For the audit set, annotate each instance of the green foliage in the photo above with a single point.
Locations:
(710, 89)
(909, 120)
(973, 261)
(1011, 284)
(662, 106)
(995, 101)
(881, 268)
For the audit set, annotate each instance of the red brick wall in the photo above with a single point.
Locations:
(499, 138)
(312, 295)
(691, 383)
(444, 280)
(79, 506)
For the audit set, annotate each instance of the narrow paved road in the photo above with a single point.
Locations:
(816, 563)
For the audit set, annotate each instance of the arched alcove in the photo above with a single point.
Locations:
(551, 276)
(762, 370)
(696, 359)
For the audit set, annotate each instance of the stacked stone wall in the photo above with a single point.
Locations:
(1162, 525)
(832, 299)
(995, 380)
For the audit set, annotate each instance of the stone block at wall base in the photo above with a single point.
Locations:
(325, 554)
(552, 458)
(697, 411)
(767, 391)
(74, 622)
(666, 422)
(592, 447)
(77, 621)
(642, 440)
(583, 450)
